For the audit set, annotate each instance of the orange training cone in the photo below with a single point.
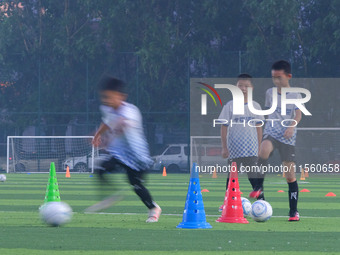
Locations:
(284, 174)
(214, 175)
(302, 178)
(68, 175)
(306, 172)
(164, 171)
(232, 208)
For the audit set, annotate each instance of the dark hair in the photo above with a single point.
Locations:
(282, 65)
(244, 76)
(110, 83)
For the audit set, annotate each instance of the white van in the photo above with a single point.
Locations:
(175, 157)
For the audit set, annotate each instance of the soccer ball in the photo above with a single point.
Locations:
(246, 206)
(2, 178)
(55, 213)
(261, 211)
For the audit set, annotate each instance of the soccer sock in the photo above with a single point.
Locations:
(293, 195)
(227, 183)
(260, 175)
(253, 182)
(144, 195)
(136, 180)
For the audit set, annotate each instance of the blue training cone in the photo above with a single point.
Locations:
(194, 214)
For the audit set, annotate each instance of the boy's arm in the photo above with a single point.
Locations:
(224, 132)
(96, 140)
(290, 130)
(259, 134)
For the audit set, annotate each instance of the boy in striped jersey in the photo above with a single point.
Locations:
(240, 141)
(128, 147)
(283, 138)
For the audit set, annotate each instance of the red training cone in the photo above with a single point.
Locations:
(330, 194)
(305, 190)
(280, 191)
(232, 208)
(205, 190)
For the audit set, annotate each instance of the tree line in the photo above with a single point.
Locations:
(52, 53)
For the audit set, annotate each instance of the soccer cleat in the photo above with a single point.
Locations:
(294, 217)
(220, 209)
(154, 214)
(261, 196)
(255, 193)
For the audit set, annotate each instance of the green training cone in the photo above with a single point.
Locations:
(52, 190)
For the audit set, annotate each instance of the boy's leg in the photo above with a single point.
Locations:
(108, 164)
(249, 164)
(220, 209)
(266, 148)
(230, 161)
(287, 153)
(227, 182)
(136, 180)
(293, 190)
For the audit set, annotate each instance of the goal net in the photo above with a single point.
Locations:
(317, 149)
(35, 153)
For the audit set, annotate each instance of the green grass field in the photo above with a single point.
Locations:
(121, 229)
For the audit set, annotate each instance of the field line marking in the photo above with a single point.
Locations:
(175, 214)
(208, 215)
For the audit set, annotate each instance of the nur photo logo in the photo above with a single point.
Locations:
(238, 99)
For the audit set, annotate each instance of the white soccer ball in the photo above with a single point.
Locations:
(246, 206)
(2, 178)
(261, 211)
(55, 213)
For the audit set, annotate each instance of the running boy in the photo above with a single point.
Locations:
(128, 147)
(282, 138)
(242, 135)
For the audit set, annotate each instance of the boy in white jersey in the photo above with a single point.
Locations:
(128, 147)
(282, 138)
(240, 141)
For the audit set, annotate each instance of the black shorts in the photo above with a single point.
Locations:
(112, 165)
(246, 161)
(246, 164)
(287, 151)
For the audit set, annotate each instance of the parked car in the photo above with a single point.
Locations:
(175, 157)
(82, 163)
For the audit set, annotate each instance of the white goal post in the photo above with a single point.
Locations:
(34, 154)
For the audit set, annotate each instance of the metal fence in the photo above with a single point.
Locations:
(38, 107)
